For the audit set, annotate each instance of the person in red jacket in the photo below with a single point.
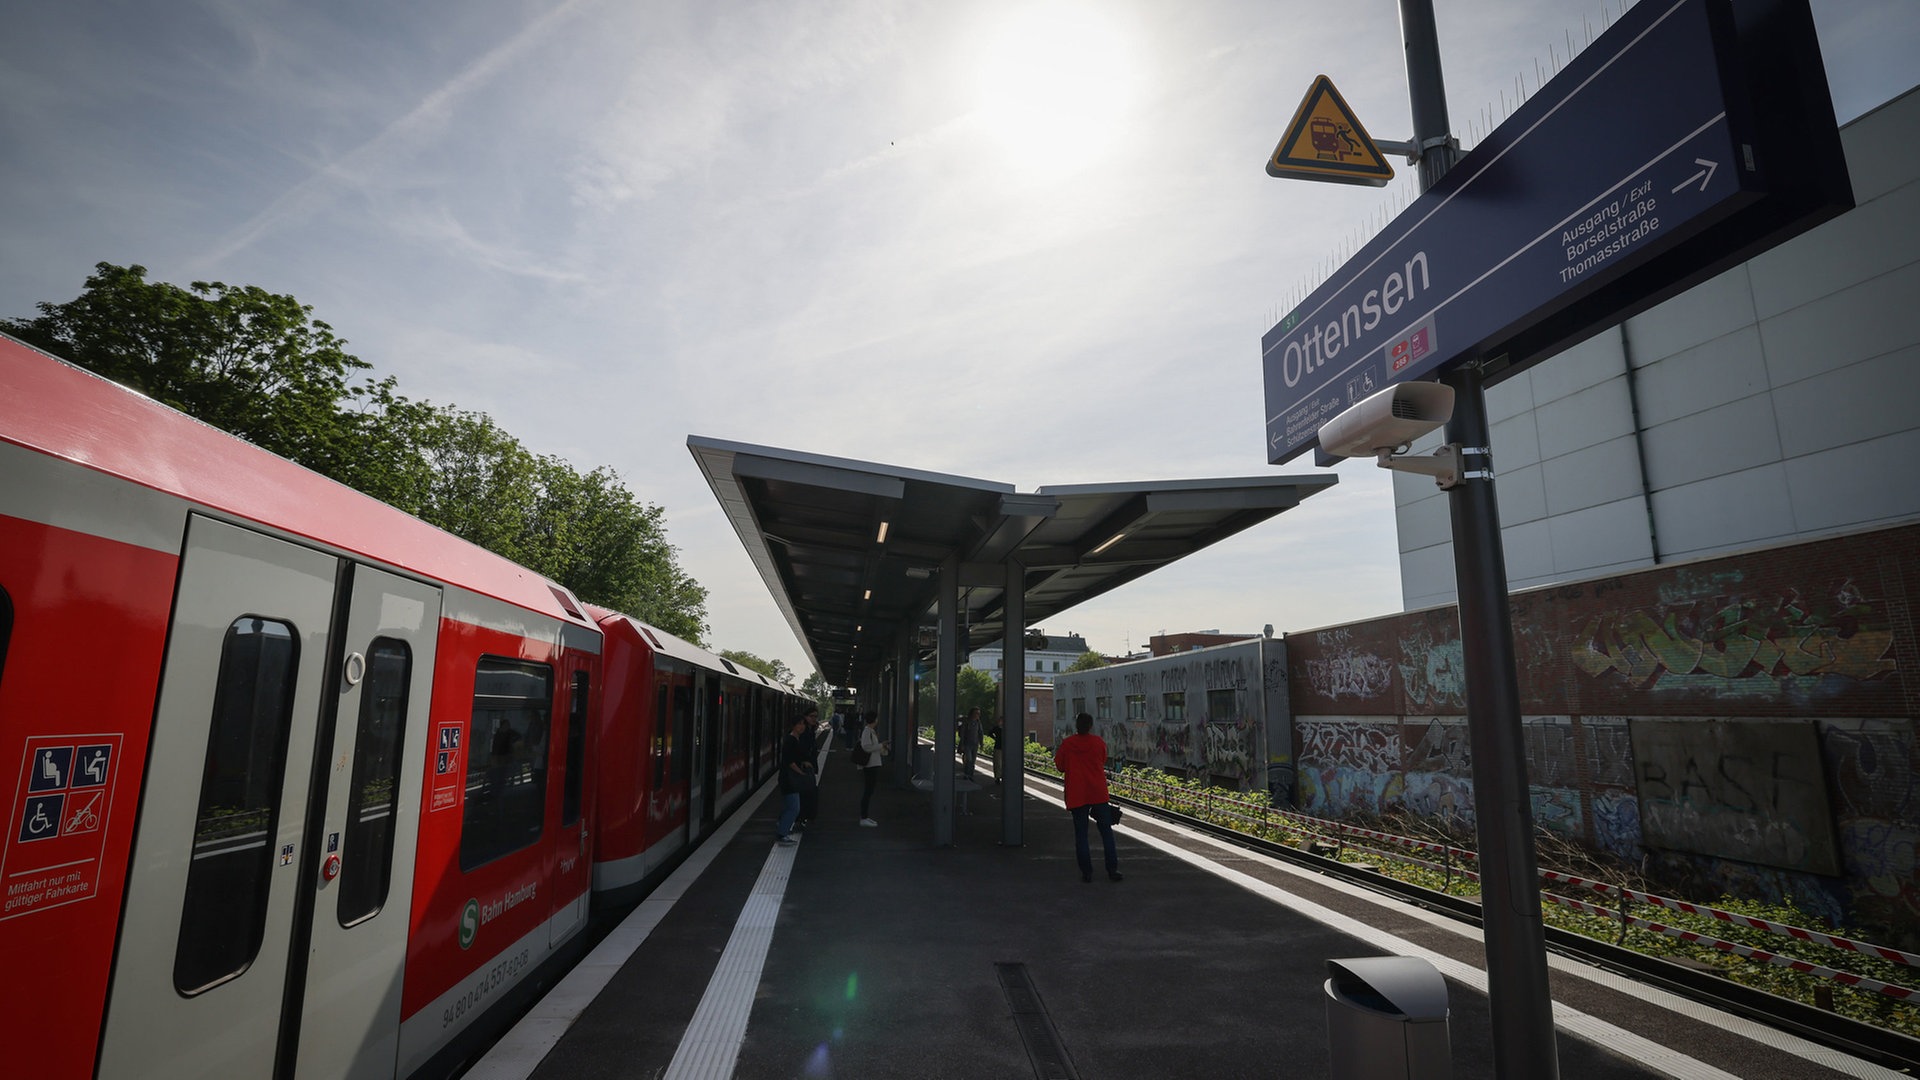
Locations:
(1082, 760)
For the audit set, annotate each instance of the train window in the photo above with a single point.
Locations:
(1104, 708)
(507, 759)
(224, 917)
(1176, 706)
(1079, 706)
(1220, 706)
(576, 750)
(1136, 706)
(366, 861)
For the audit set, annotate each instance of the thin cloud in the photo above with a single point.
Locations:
(351, 170)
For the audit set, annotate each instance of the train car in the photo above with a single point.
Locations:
(301, 783)
(1219, 713)
(683, 737)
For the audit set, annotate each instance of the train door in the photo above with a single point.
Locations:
(715, 754)
(362, 899)
(570, 874)
(700, 748)
(226, 888)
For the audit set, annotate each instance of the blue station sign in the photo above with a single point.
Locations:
(1641, 168)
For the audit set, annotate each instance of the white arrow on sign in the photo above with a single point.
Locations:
(1705, 176)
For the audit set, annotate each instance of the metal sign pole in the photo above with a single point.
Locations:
(1522, 1004)
(1523, 1041)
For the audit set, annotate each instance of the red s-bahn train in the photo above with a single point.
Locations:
(301, 785)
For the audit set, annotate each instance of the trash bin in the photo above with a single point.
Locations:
(1387, 1019)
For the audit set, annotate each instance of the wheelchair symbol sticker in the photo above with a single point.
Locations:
(41, 821)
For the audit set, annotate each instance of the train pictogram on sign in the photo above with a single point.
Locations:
(1325, 141)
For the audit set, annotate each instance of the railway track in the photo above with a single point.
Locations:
(1887, 1048)
(1884, 1047)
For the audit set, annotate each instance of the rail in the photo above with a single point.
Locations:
(1246, 813)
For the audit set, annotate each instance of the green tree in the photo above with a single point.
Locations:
(588, 532)
(973, 688)
(250, 362)
(772, 669)
(1087, 661)
(816, 689)
(259, 366)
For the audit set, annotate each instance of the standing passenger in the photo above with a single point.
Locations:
(796, 769)
(876, 750)
(810, 748)
(1082, 761)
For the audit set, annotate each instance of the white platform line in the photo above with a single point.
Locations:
(711, 1047)
(522, 1049)
(1591, 1028)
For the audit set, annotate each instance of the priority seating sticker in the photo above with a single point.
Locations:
(58, 826)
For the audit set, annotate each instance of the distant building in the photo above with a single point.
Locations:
(1041, 664)
(1168, 644)
(1038, 721)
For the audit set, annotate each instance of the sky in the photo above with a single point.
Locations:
(1024, 242)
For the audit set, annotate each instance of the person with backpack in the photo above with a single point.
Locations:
(796, 773)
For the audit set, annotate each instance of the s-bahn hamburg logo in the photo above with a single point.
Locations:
(469, 923)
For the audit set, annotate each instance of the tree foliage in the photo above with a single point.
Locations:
(258, 365)
(816, 689)
(772, 669)
(1087, 661)
(240, 358)
(973, 689)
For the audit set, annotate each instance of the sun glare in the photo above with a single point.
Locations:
(1054, 86)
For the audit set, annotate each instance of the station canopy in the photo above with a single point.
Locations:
(852, 550)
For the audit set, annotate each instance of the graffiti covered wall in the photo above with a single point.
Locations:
(1738, 725)
(1219, 712)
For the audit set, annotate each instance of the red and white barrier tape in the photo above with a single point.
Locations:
(1844, 978)
(1784, 929)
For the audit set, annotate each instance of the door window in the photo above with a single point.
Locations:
(660, 722)
(366, 863)
(224, 916)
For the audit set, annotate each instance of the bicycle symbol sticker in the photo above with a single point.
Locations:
(85, 816)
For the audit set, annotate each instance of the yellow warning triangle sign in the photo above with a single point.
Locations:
(1326, 142)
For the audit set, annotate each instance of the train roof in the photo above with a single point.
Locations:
(49, 405)
(666, 644)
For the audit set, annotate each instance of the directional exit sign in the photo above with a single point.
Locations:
(1692, 135)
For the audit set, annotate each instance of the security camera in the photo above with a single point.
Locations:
(1387, 420)
(1385, 423)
